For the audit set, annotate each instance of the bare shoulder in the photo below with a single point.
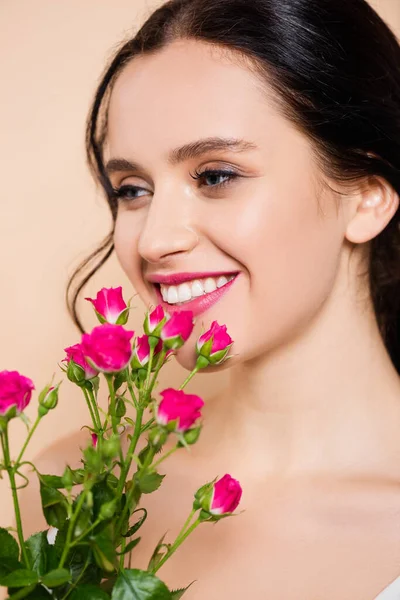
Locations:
(51, 460)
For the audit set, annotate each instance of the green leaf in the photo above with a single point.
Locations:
(37, 549)
(157, 555)
(130, 546)
(8, 565)
(19, 578)
(149, 482)
(176, 594)
(53, 481)
(26, 593)
(102, 494)
(8, 545)
(39, 593)
(84, 592)
(132, 530)
(104, 550)
(54, 505)
(139, 585)
(56, 577)
(119, 379)
(82, 566)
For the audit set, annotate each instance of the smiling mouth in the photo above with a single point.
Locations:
(188, 291)
(197, 295)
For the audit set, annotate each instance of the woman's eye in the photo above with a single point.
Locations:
(213, 175)
(127, 192)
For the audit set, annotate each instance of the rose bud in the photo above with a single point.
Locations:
(218, 498)
(154, 321)
(213, 345)
(48, 399)
(79, 370)
(110, 307)
(15, 394)
(178, 410)
(108, 347)
(95, 439)
(141, 352)
(177, 329)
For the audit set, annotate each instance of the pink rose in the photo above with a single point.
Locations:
(214, 344)
(218, 499)
(177, 329)
(108, 347)
(110, 306)
(15, 390)
(226, 496)
(141, 352)
(178, 406)
(154, 321)
(75, 353)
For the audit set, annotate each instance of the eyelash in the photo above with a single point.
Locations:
(121, 192)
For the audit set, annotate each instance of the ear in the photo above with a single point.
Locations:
(370, 210)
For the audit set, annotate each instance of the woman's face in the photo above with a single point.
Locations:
(269, 223)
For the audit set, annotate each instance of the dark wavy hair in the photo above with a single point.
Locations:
(334, 68)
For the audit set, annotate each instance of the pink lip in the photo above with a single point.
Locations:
(197, 305)
(176, 278)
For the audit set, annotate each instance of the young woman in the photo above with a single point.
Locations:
(253, 147)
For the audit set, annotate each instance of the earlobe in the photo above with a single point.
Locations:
(374, 208)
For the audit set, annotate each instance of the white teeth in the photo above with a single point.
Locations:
(209, 285)
(172, 294)
(164, 293)
(221, 281)
(184, 292)
(197, 289)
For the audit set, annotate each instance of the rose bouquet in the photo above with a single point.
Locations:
(96, 510)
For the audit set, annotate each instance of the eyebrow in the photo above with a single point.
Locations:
(186, 152)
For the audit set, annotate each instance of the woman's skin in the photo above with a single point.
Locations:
(310, 420)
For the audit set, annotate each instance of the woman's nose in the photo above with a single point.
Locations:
(168, 230)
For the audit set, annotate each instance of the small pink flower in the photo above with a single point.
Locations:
(108, 347)
(15, 390)
(94, 440)
(226, 496)
(110, 306)
(141, 352)
(177, 405)
(154, 321)
(75, 353)
(177, 329)
(214, 344)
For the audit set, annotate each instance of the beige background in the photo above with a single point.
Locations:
(52, 53)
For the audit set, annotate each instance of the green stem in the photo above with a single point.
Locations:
(28, 439)
(90, 408)
(189, 377)
(131, 451)
(160, 460)
(156, 372)
(11, 475)
(71, 530)
(112, 403)
(179, 540)
(149, 365)
(78, 539)
(95, 409)
(132, 393)
(122, 557)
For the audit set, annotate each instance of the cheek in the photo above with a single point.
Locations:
(289, 248)
(126, 235)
